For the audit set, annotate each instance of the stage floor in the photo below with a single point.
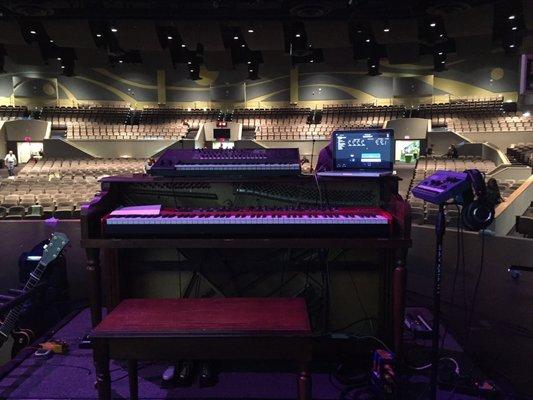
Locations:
(72, 377)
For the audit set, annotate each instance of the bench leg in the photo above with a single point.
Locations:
(304, 383)
(101, 361)
(133, 379)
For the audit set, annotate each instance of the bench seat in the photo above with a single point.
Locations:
(207, 329)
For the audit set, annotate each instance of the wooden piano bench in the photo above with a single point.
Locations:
(206, 329)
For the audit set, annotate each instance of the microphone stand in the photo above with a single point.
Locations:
(312, 155)
(440, 229)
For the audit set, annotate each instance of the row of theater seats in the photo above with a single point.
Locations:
(58, 187)
(362, 115)
(252, 118)
(521, 153)
(507, 122)
(304, 132)
(96, 131)
(13, 112)
(426, 213)
(62, 115)
(167, 116)
(475, 116)
(105, 123)
(460, 106)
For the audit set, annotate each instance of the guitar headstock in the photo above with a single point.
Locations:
(57, 243)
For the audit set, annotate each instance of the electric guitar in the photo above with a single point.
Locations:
(23, 337)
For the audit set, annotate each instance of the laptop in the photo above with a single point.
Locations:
(362, 153)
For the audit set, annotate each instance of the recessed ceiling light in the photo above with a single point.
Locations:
(250, 30)
(183, 45)
(441, 35)
(433, 24)
(242, 45)
(359, 31)
(235, 37)
(98, 35)
(249, 62)
(188, 62)
(297, 35)
(120, 61)
(33, 32)
(312, 61)
(51, 41)
(511, 45)
(62, 67)
(192, 70)
(367, 40)
(511, 17)
(373, 66)
(443, 62)
(514, 28)
(440, 53)
(386, 30)
(251, 70)
(170, 37)
(114, 30)
(58, 58)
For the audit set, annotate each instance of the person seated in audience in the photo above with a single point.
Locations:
(494, 196)
(149, 163)
(11, 162)
(429, 150)
(452, 152)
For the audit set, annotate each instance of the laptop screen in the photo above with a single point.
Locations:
(370, 149)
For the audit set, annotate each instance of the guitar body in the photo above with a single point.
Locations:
(8, 327)
(21, 339)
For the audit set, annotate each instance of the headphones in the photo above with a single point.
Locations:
(477, 212)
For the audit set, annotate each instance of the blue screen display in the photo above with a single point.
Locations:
(365, 149)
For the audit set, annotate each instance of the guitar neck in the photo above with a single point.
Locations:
(12, 317)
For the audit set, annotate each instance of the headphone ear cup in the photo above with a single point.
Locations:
(477, 215)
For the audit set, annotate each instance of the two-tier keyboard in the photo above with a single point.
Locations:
(332, 222)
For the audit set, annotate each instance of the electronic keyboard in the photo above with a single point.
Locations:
(209, 162)
(331, 222)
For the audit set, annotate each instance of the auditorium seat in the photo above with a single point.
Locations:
(15, 212)
(10, 200)
(35, 212)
